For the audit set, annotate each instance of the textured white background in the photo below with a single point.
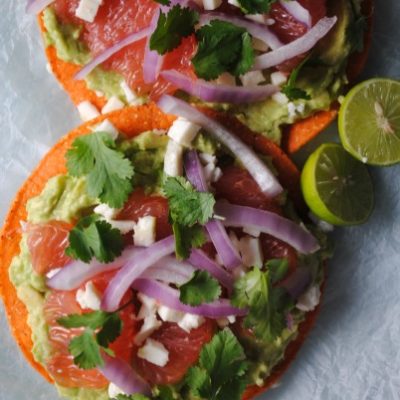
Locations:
(352, 354)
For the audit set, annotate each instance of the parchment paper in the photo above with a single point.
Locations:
(353, 352)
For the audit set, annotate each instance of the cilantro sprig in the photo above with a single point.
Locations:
(101, 329)
(93, 237)
(189, 209)
(222, 47)
(256, 6)
(267, 304)
(290, 89)
(221, 370)
(201, 288)
(187, 205)
(172, 27)
(108, 173)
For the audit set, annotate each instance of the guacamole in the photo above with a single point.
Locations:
(323, 76)
(65, 198)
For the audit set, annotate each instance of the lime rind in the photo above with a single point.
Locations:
(369, 122)
(336, 187)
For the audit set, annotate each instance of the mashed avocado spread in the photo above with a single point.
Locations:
(323, 76)
(65, 198)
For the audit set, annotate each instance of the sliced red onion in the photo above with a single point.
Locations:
(297, 47)
(226, 250)
(257, 169)
(36, 6)
(297, 283)
(297, 11)
(105, 55)
(170, 270)
(152, 61)
(121, 374)
(255, 29)
(77, 272)
(270, 223)
(194, 171)
(201, 261)
(219, 93)
(133, 269)
(170, 298)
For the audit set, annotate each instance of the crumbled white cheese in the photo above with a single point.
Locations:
(206, 158)
(53, 272)
(149, 306)
(173, 164)
(270, 21)
(310, 299)
(191, 321)
(252, 231)
(113, 104)
(291, 110)
(89, 298)
(280, 98)
(106, 211)
(183, 131)
(108, 127)
(260, 18)
(131, 97)
(259, 45)
(87, 111)
(123, 226)
(114, 391)
(169, 315)
(144, 233)
(226, 79)
(251, 252)
(224, 322)
(154, 352)
(278, 78)
(217, 174)
(211, 4)
(150, 325)
(234, 3)
(87, 9)
(300, 108)
(252, 78)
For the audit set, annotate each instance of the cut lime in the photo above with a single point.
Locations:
(337, 187)
(369, 122)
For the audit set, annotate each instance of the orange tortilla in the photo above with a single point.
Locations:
(297, 135)
(130, 121)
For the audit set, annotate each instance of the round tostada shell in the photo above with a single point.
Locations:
(129, 121)
(295, 136)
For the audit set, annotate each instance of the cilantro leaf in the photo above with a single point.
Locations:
(108, 173)
(201, 288)
(163, 2)
(186, 238)
(172, 28)
(220, 374)
(222, 47)
(290, 89)
(93, 237)
(188, 206)
(256, 6)
(86, 348)
(86, 351)
(267, 305)
(278, 268)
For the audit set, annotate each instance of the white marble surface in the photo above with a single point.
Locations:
(352, 354)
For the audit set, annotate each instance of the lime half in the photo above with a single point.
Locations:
(337, 187)
(369, 122)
